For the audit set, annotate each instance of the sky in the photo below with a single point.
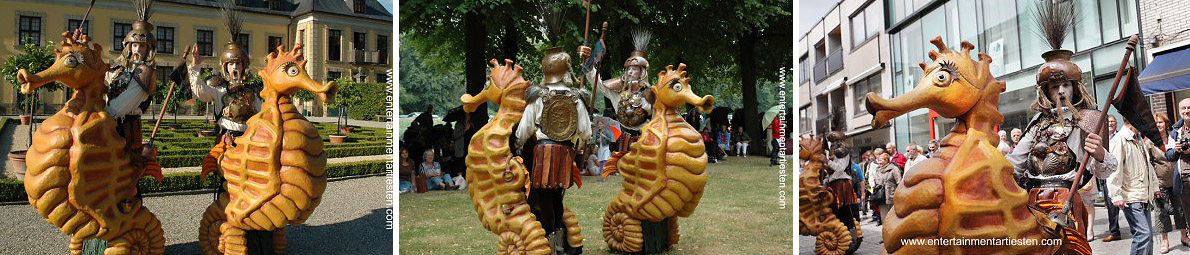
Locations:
(811, 12)
(388, 4)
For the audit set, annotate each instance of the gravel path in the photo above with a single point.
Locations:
(350, 220)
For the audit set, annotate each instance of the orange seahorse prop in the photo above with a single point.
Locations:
(276, 172)
(967, 190)
(815, 215)
(79, 176)
(664, 172)
(496, 179)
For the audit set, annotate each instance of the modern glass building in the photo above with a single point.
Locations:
(1006, 31)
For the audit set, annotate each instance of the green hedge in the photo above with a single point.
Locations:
(195, 158)
(12, 190)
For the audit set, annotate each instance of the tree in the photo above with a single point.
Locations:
(35, 59)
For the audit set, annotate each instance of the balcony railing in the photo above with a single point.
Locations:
(828, 66)
(365, 57)
(834, 62)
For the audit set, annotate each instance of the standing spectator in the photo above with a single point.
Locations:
(1016, 136)
(1134, 185)
(864, 188)
(1175, 149)
(914, 155)
(1164, 205)
(433, 171)
(1113, 212)
(724, 139)
(871, 173)
(888, 176)
(603, 150)
(896, 157)
(1172, 193)
(741, 142)
(933, 148)
(408, 170)
(1004, 147)
(775, 128)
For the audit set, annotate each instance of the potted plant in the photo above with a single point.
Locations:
(34, 59)
(17, 160)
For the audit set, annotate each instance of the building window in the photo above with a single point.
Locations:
(119, 30)
(805, 119)
(245, 42)
(73, 24)
(334, 43)
(206, 42)
(382, 47)
(274, 41)
(165, 40)
(381, 77)
(860, 91)
(359, 6)
(30, 30)
(242, 2)
(865, 24)
(275, 5)
(330, 76)
(302, 36)
(361, 42)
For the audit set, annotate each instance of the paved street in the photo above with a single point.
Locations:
(872, 245)
(350, 220)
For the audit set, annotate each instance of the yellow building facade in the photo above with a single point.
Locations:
(341, 38)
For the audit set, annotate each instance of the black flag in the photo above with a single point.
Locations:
(1135, 108)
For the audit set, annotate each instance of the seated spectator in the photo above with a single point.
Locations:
(433, 171)
(741, 142)
(407, 168)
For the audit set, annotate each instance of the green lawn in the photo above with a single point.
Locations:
(738, 214)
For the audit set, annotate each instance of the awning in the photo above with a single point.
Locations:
(1168, 72)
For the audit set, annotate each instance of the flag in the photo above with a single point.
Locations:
(596, 55)
(1135, 107)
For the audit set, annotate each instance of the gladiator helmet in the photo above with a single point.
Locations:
(142, 31)
(233, 51)
(1055, 19)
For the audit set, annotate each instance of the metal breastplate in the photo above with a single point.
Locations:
(237, 103)
(559, 114)
(632, 112)
(1051, 155)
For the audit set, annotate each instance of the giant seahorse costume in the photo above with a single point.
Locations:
(79, 177)
(276, 172)
(967, 190)
(815, 213)
(496, 179)
(664, 171)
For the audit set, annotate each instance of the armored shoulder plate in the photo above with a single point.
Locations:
(584, 96)
(1087, 120)
(216, 81)
(533, 92)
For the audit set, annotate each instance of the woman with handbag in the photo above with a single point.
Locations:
(887, 177)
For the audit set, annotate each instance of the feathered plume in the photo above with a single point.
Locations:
(1054, 18)
(640, 38)
(551, 20)
(143, 9)
(231, 19)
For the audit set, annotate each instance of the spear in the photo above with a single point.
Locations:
(174, 79)
(82, 23)
(1060, 217)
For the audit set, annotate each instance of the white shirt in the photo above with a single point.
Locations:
(909, 162)
(128, 102)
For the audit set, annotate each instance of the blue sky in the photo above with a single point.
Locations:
(388, 4)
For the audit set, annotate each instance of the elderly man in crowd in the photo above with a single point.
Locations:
(1016, 136)
(1177, 148)
(1113, 212)
(1134, 185)
(913, 156)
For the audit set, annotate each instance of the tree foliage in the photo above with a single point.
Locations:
(34, 59)
(422, 85)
